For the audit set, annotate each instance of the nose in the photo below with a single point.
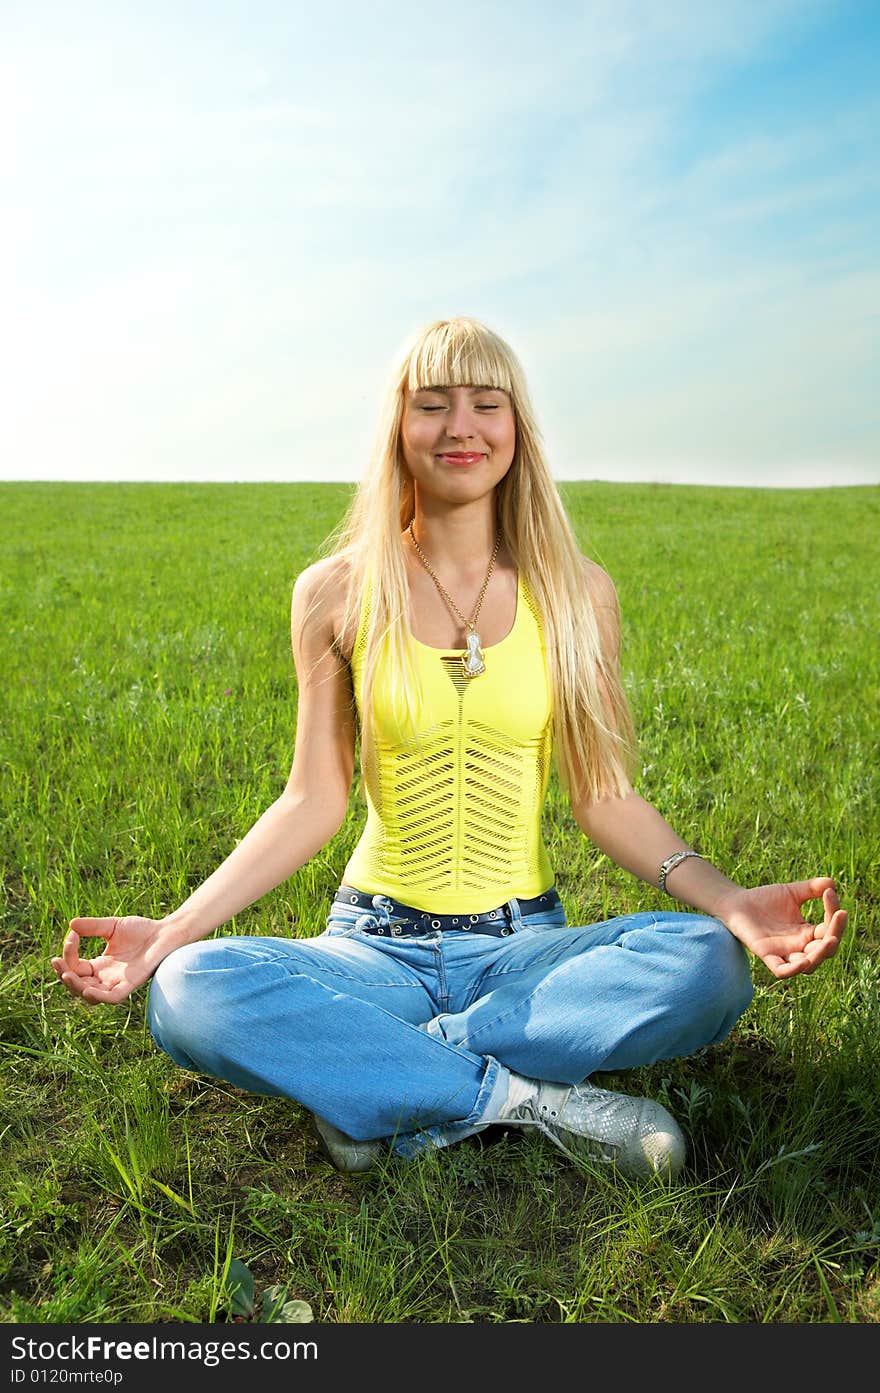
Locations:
(461, 423)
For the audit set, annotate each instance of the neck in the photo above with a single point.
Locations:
(457, 538)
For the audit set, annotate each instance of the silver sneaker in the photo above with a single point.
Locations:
(345, 1153)
(637, 1135)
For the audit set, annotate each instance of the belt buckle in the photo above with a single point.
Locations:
(394, 924)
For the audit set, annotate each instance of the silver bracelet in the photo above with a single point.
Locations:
(671, 862)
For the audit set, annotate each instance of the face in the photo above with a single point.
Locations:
(458, 442)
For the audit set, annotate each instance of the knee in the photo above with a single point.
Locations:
(174, 977)
(180, 1004)
(721, 966)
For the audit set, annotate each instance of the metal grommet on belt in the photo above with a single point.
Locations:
(493, 913)
(352, 899)
(435, 923)
(475, 918)
(505, 931)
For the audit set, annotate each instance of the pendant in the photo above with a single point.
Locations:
(472, 661)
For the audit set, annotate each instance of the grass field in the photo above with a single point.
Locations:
(148, 708)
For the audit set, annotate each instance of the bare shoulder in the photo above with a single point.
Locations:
(322, 583)
(318, 603)
(603, 591)
(606, 606)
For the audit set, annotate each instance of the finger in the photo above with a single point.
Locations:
(61, 967)
(780, 967)
(70, 954)
(73, 982)
(95, 928)
(796, 962)
(831, 904)
(799, 961)
(831, 908)
(811, 889)
(831, 930)
(804, 960)
(105, 996)
(90, 992)
(820, 949)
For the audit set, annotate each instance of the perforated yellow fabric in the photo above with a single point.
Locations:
(454, 811)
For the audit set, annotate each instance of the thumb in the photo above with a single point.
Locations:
(812, 889)
(95, 928)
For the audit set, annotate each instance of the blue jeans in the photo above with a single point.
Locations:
(412, 1039)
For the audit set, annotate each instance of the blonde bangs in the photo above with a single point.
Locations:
(459, 353)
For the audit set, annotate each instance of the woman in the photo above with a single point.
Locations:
(455, 627)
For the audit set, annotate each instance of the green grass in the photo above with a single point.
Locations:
(148, 709)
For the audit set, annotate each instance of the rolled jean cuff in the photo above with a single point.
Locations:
(488, 1104)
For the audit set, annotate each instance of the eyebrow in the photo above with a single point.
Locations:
(446, 390)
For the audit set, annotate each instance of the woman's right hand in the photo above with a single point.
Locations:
(134, 949)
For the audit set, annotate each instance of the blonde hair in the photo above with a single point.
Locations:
(593, 737)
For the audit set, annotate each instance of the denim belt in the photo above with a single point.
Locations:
(402, 920)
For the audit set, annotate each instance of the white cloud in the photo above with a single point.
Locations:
(216, 226)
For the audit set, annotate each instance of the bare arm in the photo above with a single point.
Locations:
(637, 837)
(310, 811)
(766, 918)
(306, 815)
(628, 829)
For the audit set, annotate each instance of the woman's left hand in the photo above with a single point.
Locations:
(768, 920)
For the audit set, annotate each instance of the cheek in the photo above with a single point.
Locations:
(410, 443)
(506, 438)
(404, 446)
(413, 435)
(411, 456)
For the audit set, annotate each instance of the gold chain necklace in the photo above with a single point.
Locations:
(472, 660)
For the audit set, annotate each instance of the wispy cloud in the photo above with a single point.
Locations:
(216, 226)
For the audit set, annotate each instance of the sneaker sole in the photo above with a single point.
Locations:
(350, 1157)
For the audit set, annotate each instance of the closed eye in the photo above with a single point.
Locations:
(481, 406)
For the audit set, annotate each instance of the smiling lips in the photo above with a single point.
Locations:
(459, 458)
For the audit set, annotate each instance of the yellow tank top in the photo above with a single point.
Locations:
(454, 819)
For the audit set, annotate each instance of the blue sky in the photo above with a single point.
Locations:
(220, 221)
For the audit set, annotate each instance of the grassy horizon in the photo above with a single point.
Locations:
(148, 712)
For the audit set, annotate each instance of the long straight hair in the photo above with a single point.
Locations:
(593, 736)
